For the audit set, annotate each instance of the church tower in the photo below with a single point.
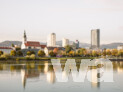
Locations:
(24, 41)
(25, 37)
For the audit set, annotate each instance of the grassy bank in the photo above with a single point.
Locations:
(43, 58)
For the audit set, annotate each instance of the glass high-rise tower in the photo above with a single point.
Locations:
(95, 39)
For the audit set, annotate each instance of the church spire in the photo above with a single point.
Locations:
(25, 37)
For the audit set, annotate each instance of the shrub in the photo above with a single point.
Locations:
(27, 57)
(19, 53)
(41, 53)
(1, 53)
(32, 56)
(52, 54)
(28, 53)
(6, 56)
(13, 53)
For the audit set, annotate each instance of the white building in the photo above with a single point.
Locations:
(120, 47)
(95, 39)
(65, 42)
(51, 40)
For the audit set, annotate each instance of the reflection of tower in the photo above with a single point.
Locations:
(23, 73)
(51, 77)
(51, 41)
(45, 68)
(95, 78)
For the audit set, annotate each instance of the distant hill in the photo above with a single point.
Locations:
(9, 43)
(111, 46)
(82, 45)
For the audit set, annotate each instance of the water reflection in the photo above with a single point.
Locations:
(34, 70)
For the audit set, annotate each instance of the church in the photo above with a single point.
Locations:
(31, 44)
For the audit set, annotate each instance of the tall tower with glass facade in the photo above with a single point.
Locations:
(95, 39)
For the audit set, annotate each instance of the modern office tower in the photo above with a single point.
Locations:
(51, 41)
(95, 39)
(65, 42)
(77, 44)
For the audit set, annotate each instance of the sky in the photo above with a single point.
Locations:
(72, 19)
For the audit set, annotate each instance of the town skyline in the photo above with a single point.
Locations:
(68, 19)
(33, 38)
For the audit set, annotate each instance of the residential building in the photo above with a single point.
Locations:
(6, 50)
(51, 40)
(65, 42)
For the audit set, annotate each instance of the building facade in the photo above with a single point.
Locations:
(6, 50)
(95, 39)
(51, 40)
(65, 42)
(77, 44)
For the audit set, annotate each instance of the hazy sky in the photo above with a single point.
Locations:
(72, 19)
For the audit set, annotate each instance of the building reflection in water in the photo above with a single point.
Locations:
(47, 69)
(95, 80)
(26, 74)
(118, 66)
(51, 77)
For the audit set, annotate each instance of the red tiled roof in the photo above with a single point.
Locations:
(32, 43)
(43, 46)
(5, 48)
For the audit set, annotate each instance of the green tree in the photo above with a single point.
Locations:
(41, 53)
(17, 48)
(114, 52)
(52, 54)
(82, 52)
(32, 56)
(94, 53)
(68, 48)
(104, 52)
(1, 53)
(72, 53)
(13, 53)
(28, 53)
(108, 52)
(120, 53)
(19, 53)
(13, 45)
(32, 52)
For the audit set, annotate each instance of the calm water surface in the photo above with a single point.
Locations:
(40, 77)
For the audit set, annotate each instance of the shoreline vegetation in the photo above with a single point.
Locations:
(68, 53)
(49, 58)
(44, 58)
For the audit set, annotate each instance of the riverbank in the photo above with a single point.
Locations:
(45, 58)
(49, 58)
